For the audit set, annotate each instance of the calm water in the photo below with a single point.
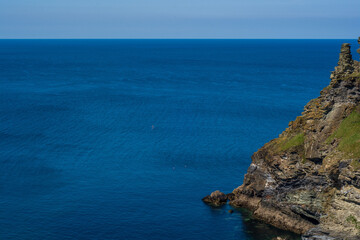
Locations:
(120, 139)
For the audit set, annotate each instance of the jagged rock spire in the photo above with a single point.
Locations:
(346, 63)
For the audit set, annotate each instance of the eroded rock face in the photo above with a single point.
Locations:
(346, 63)
(304, 181)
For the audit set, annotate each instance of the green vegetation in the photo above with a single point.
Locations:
(353, 75)
(356, 74)
(353, 220)
(349, 134)
(303, 159)
(295, 141)
(355, 164)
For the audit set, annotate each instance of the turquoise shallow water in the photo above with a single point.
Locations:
(120, 139)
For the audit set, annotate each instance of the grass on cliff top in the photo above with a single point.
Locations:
(349, 134)
(295, 141)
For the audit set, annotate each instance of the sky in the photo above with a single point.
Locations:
(180, 19)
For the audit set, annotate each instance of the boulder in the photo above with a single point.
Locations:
(216, 198)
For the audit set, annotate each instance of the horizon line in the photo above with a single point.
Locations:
(178, 38)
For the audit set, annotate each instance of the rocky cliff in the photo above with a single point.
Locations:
(308, 179)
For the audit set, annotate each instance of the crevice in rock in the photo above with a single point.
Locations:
(351, 201)
(310, 219)
(316, 160)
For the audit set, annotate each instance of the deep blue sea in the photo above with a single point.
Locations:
(120, 139)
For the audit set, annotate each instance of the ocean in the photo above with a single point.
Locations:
(121, 139)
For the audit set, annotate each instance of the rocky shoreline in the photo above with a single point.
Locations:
(308, 179)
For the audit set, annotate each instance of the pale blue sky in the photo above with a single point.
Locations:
(179, 18)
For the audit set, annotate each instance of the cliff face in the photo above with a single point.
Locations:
(308, 179)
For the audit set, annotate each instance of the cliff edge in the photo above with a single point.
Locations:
(308, 179)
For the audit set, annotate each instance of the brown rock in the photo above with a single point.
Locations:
(279, 238)
(302, 181)
(216, 198)
(230, 196)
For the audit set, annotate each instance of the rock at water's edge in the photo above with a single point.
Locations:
(308, 179)
(216, 198)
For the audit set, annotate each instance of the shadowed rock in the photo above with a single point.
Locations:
(280, 238)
